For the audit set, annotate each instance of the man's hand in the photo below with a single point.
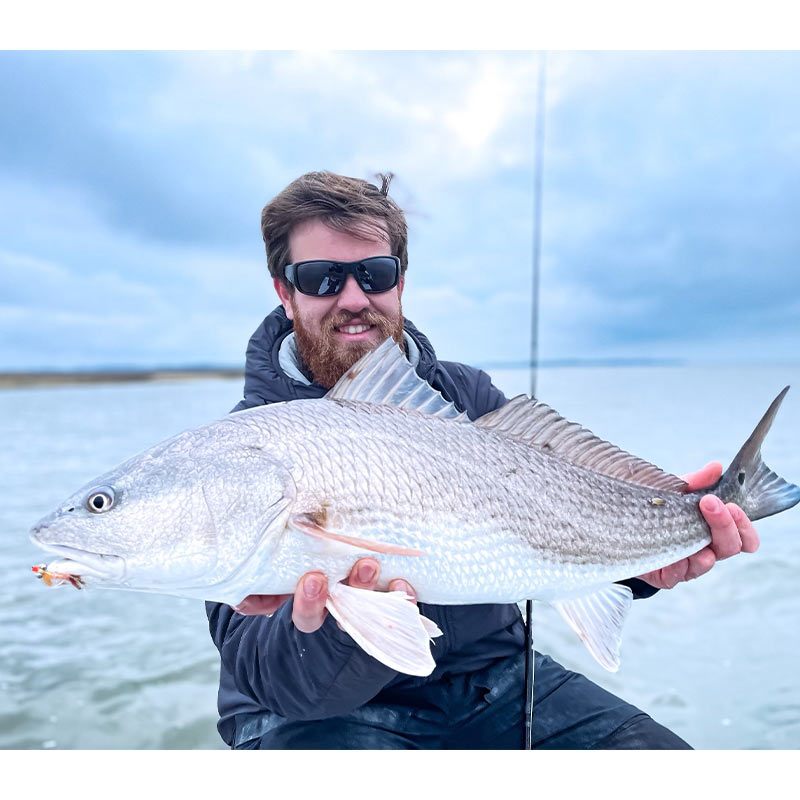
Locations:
(309, 610)
(731, 533)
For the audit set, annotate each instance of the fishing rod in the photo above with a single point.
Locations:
(537, 247)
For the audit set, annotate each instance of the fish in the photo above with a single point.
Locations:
(518, 504)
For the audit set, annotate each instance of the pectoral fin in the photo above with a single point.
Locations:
(598, 618)
(306, 524)
(387, 626)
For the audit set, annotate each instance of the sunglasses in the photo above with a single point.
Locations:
(322, 278)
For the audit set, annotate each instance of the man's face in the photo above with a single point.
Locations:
(328, 329)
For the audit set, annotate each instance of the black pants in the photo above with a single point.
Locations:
(477, 710)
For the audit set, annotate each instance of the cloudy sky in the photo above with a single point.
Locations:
(131, 186)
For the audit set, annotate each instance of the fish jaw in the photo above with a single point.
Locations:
(90, 568)
(98, 568)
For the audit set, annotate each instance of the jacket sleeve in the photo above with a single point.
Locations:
(300, 676)
(473, 386)
(487, 396)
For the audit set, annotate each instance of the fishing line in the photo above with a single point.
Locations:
(537, 246)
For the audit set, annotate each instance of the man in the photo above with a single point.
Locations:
(290, 677)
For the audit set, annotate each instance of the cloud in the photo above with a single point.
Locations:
(492, 328)
(674, 187)
(99, 297)
(131, 186)
(187, 147)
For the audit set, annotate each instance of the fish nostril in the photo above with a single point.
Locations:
(71, 509)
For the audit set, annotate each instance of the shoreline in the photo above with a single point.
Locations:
(14, 380)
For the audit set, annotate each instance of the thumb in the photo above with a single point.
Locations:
(309, 612)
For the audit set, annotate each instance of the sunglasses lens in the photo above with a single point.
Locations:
(377, 274)
(319, 277)
(323, 278)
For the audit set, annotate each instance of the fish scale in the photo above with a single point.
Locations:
(493, 494)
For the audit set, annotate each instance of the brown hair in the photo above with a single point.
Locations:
(347, 204)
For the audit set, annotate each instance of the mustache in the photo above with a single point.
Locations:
(368, 316)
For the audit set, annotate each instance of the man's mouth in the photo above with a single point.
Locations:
(354, 330)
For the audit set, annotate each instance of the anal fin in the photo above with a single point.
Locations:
(387, 625)
(598, 618)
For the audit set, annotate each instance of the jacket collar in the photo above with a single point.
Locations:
(289, 357)
(267, 382)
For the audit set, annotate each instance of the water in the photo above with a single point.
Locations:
(715, 659)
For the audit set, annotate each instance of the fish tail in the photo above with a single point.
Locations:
(750, 483)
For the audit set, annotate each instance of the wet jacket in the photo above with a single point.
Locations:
(268, 665)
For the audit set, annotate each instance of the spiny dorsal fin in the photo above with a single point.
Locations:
(540, 426)
(385, 376)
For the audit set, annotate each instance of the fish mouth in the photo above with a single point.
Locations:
(98, 567)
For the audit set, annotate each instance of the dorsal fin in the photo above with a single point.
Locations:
(540, 426)
(385, 376)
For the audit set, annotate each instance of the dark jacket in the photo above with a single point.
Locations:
(268, 665)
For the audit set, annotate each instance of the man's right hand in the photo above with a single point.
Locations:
(309, 610)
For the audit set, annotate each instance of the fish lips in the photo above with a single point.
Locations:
(83, 563)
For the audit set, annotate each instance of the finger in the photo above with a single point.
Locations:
(266, 604)
(364, 574)
(653, 578)
(309, 610)
(700, 563)
(673, 574)
(704, 477)
(747, 533)
(400, 585)
(725, 539)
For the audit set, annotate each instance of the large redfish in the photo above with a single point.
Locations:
(519, 504)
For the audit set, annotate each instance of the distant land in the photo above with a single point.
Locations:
(585, 362)
(9, 380)
(123, 374)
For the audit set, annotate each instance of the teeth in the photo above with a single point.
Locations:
(354, 328)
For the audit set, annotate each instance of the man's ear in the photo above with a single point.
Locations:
(400, 284)
(283, 294)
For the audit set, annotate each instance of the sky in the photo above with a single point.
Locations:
(131, 186)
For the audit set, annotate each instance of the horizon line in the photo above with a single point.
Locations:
(125, 372)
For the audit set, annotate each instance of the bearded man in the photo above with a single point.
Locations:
(290, 677)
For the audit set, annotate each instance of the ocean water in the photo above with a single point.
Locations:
(716, 659)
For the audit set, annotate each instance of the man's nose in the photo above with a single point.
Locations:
(352, 297)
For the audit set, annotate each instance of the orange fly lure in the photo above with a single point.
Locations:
(57, 578)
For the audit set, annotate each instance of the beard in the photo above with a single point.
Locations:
(326, 358)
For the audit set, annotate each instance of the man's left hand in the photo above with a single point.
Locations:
(731, 533)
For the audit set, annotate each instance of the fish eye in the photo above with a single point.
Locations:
(100, 499)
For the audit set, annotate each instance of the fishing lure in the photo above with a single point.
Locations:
(57, 578)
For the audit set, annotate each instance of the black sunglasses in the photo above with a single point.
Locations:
(322, 278)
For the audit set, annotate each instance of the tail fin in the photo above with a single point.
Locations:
(749, 482)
